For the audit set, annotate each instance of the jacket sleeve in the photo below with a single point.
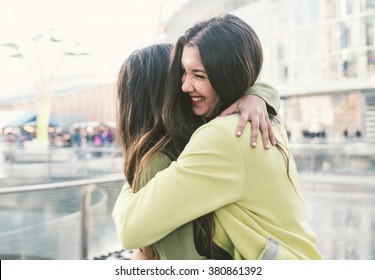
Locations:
(179, 244)
(269, 94)
(208, 175)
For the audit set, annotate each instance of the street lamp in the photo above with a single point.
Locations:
(43, 80)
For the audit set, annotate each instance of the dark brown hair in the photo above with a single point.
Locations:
(140, 95)
(140, 92)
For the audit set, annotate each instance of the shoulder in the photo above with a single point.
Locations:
(220, 125)
(157, 163)
(216, 134)
(221, 129)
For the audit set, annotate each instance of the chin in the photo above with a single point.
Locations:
(199, 113)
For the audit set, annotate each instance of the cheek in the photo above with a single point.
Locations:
(211, 94)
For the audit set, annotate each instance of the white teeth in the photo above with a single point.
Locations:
(197, 98)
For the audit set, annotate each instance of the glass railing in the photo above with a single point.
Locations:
(20, 166)
(351, 158)
(65, 220)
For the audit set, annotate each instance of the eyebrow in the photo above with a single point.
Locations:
(195, 70)
(199, 71)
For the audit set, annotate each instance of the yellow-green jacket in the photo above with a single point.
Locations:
(258, 209)
(179, 244)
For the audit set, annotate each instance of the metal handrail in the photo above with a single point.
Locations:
(88, 184)
(66, 184)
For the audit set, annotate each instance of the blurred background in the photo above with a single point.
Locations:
(58, 64)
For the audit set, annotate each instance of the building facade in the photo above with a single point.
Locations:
(320, 55)
(95, 103)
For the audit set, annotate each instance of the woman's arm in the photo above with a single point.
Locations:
(179, 244)
(269, 94)
(258, 102)
(208, 175)
(159, 162)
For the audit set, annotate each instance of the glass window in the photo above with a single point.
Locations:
(369, 23)
(330, 9)
(334, 37)
(370, 4)
(332, 67)
(280, 52)
(297, 12)
(350, 6)
(344, 35)
(314, 10)
(371, 62)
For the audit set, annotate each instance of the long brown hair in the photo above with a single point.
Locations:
(140, 92)
(140, 130)
(232, 56)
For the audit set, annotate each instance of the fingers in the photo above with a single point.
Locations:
(229, 111)
(254, 131)
(263, 125)
(270, 132)
(256, 114)
(265, 133)
(241, 124)
(258, 124)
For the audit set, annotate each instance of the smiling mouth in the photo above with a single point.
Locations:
(197, 99)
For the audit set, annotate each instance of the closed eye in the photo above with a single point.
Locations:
(198, 73)
(200, 76)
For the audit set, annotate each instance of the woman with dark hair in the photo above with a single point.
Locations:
(147, 148)
(250, 198)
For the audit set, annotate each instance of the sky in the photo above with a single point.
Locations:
(108, 30)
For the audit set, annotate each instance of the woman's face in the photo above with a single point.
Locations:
(195, 82)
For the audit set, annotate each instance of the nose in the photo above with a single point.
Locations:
(187, 86)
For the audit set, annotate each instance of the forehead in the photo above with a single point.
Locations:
(191, 57)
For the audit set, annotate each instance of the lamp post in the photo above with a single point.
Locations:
(43, 79)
